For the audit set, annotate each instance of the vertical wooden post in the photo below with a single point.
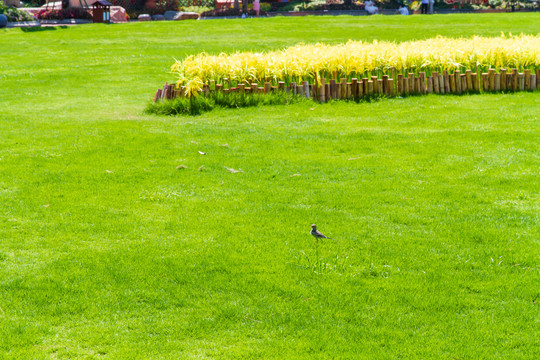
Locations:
(446, 82)
(417, 86)
(441, 84)
(370, 87)
(375, 83)
(457, 76)
(314, 89)
(491, 80)
(468, 74)
(406, 86)
(430, 84)
(267, 87)
(306, 89)
(497, 86)
(322, 90)
(391, 87)
(521, 81)
(327, 91)
(533, 82)
(333, 89)
(474, 78)
(503, 79)
(365, 83)
(343, 88)
(463, 82)
(379, 86)
(360, 89)
(527, 74)
(538, 78)
(293, 88)
(386, 90)
(164, 92)
(349, 90)
(254, 87)
(422, 76)
(219, 87)
(452, 79)
(158, 95)
(300, 90)
(514, 80)
(281, 86)
(411, 83)
(435, 76)
(241, 88)
(354, 87)
(400, 84)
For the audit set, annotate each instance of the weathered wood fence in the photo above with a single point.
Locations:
(406, 84)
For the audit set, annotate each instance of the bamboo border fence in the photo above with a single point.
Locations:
(406, 84)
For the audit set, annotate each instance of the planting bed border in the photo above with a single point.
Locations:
(406, 84)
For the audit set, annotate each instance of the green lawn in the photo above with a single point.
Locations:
(109, 251)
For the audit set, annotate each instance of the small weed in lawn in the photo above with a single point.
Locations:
(325, 263)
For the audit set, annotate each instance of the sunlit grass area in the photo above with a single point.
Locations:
(134, 236)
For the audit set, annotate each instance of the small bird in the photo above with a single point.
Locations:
(317, 234)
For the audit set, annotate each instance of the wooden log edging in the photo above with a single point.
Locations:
(324, 90)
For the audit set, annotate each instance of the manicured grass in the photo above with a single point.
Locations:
(109, 251)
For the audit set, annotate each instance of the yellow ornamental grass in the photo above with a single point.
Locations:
(361, 59)
(193, 87)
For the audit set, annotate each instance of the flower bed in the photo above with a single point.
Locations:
(353, 71)
(357, 70)
(229, 12)
(14, 15)
(71, 13)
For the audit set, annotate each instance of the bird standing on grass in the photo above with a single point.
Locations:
(317, 234)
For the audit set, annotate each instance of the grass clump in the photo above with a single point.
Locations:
(204, 103)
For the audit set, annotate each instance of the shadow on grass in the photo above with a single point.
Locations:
(43, 28)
